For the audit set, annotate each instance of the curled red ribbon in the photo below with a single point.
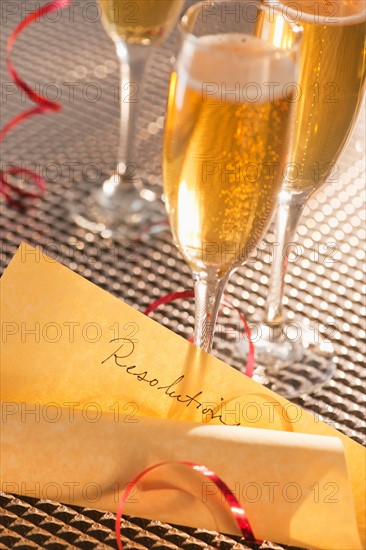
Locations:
(236, 508)
(44, 105)
(190, 294)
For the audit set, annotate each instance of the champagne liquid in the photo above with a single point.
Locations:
(222, 165)
(332, 78)
(140, 21)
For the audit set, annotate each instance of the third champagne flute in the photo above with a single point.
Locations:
(123, 204)
(226, 140)
(332, 78)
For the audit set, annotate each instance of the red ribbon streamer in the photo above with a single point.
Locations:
(44, 105)
(236, 508)
(190, 294)
(249, 368)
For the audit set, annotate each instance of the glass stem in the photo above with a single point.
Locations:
(208, 290)
(289, 210)
(133, 59)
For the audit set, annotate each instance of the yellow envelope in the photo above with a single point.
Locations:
(294, 487)
(69, 345)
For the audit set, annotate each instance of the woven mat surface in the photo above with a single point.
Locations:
(73, 60)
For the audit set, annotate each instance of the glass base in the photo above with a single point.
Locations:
(294, 363)
(120, 210)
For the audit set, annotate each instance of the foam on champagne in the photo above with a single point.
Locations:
(216, 65)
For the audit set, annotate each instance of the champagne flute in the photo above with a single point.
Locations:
(332, 79)
(226, 140)
(123, 205)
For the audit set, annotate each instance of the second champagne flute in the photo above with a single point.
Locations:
(123, 205)
(292, 357)
(226, 140)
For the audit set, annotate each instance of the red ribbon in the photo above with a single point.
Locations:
(236, 508)
(249, 368)
(44, 105)
(190, 294)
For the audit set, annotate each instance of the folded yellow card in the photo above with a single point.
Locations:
(294, 487)
(75, 354)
